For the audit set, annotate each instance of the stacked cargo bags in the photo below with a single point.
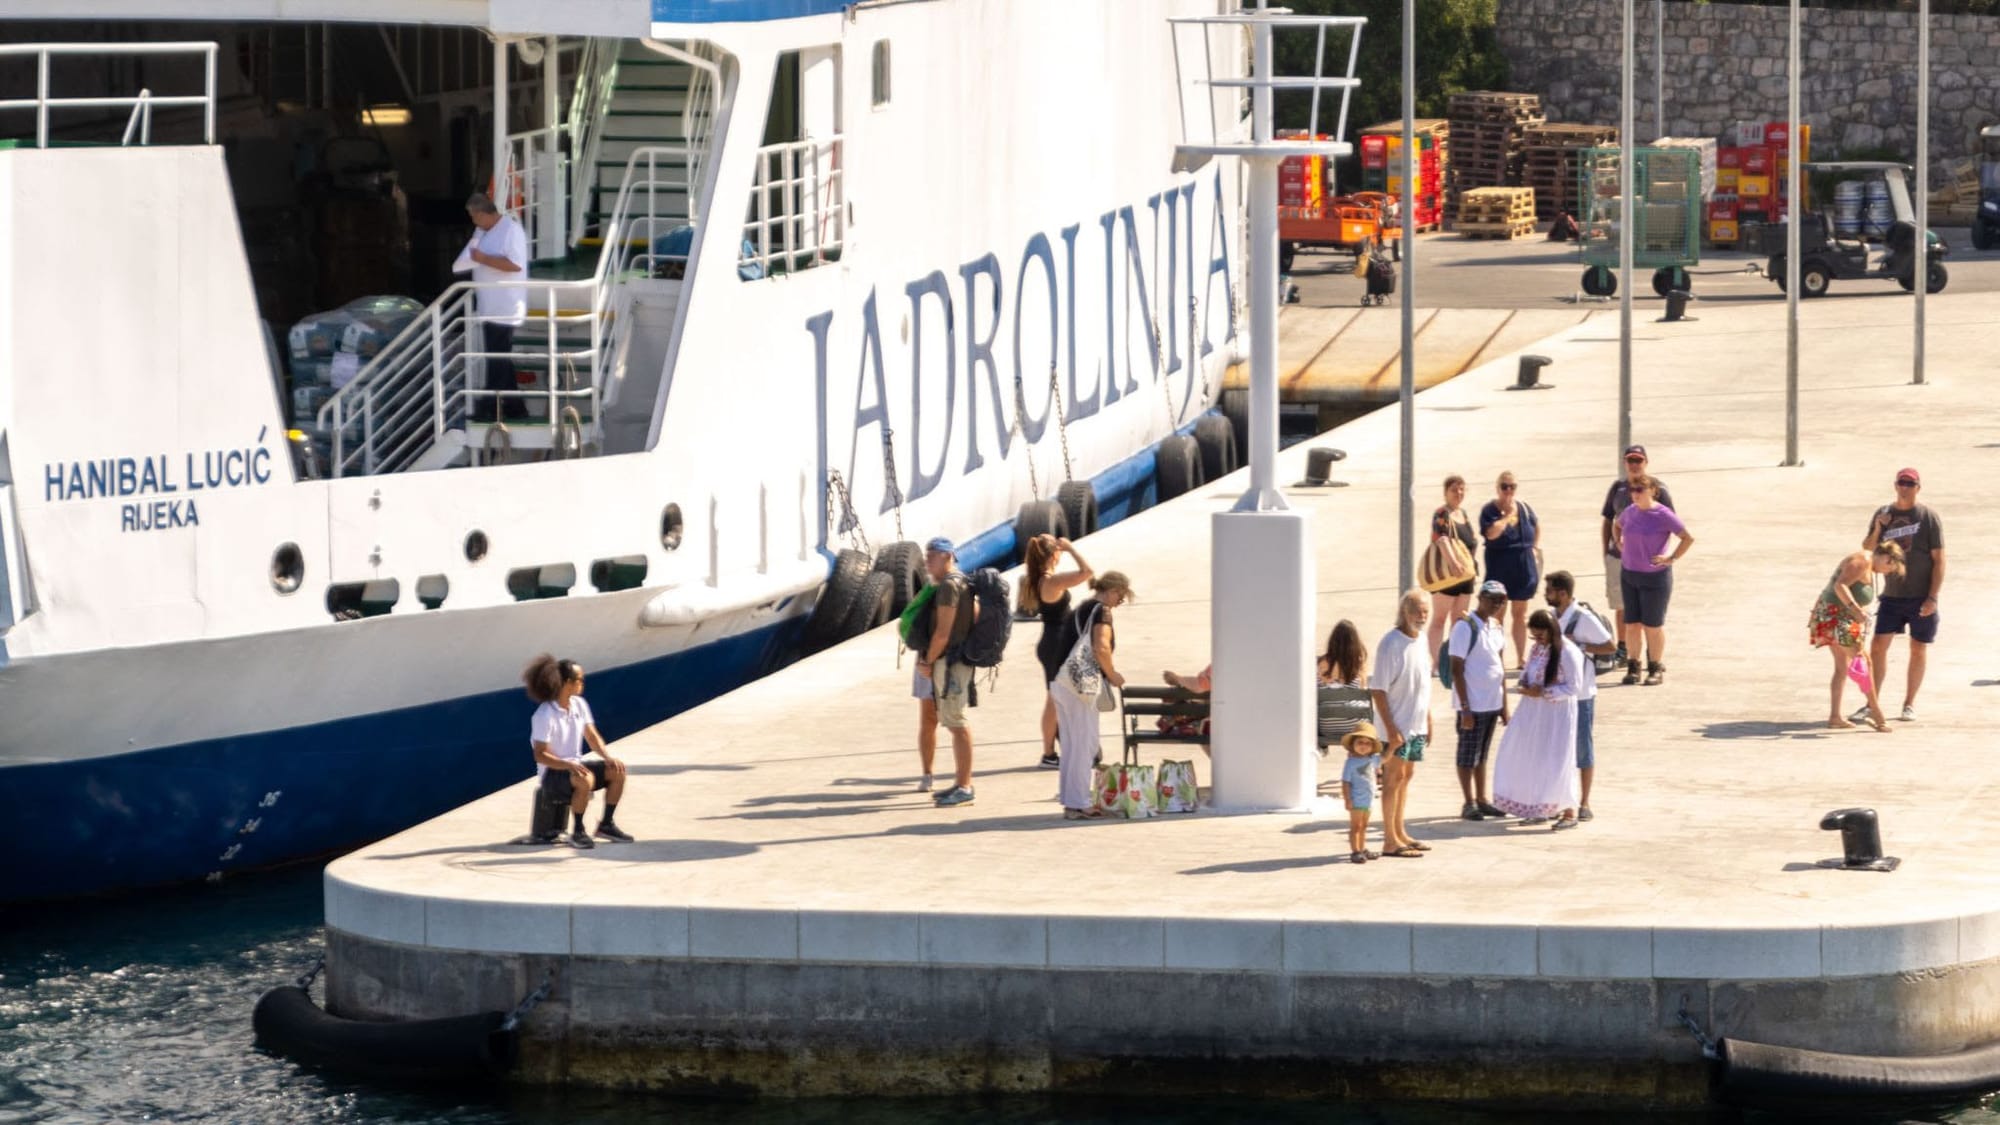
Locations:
(327, 349)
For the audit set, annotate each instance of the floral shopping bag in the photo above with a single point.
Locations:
(1176, 790)
(1126, 790)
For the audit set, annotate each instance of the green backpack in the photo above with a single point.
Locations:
(916, 617)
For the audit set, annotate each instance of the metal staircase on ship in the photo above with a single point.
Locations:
(617, 175)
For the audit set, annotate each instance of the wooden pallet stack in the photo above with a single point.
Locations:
(1957, 201)
(1496, 212)
(1486, 139)
(1549, 162)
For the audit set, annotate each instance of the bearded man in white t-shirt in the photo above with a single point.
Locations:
(1583, 627)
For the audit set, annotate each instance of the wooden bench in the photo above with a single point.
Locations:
(1147, 701)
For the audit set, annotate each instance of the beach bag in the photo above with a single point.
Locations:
(1446, 563)
(1080, 670)
(1600, 662)
(1175, 790)
(992, 623)
(1860, 673)
(1126, 789)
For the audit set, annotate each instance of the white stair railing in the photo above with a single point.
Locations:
(589, 109)
(142, 105)
(798, 206)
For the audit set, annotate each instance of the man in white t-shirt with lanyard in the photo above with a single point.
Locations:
(1476, 648)
(498, 252)
(1589, 633)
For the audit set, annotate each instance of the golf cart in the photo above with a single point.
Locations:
(1986, 224)
(1825, 258)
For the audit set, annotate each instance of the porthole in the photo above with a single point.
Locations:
(671, 527)
(475, 546)
(288, 568)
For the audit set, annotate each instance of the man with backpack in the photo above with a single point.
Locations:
(1582, 624)
(1475, 648)
(944, 685)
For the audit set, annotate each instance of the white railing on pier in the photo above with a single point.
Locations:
(798, 210)
(142, 104)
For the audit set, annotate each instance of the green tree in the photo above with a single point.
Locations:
(1457, 49)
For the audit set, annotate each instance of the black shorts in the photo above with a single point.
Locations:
(1646, 595)
(1893, 615)
(559, 782)
(1462, 590)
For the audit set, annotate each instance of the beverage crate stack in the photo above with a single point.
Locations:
(1751, 180)
(1486, 138)
(1301, 179)
(1382, 170)
(1549, 155)
(1496, 212)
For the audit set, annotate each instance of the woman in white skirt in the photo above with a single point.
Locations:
(1085, 673)
(1536, 776)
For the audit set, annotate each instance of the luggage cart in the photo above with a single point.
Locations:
(1666, 229)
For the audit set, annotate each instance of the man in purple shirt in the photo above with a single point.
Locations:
(1640, 534)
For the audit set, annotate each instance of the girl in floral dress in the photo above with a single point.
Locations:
(1839, 622)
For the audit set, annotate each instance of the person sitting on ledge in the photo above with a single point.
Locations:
(558, 731)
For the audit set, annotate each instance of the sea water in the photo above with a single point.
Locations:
(139, 1010)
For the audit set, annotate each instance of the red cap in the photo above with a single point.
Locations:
(1911, 473)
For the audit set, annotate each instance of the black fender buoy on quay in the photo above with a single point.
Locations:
(1216, 436)
(1038, 517)
(1761, 1076)
(904, 563)
(1177, 466)
(454, 1049)
(829, 614)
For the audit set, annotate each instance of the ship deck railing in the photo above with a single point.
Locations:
(141, 104)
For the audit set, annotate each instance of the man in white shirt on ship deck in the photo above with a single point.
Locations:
(498, 251)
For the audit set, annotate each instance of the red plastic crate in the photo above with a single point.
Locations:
(1757, 161)
(1728, 156)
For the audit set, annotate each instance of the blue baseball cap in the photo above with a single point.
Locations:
(942, 546)
(1492, 589)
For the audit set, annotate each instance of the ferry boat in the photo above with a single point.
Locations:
(812, 281)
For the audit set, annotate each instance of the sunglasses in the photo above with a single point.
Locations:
(1905, 482)
(1635, 460)
(1508, 487)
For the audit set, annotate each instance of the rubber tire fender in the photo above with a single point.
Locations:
(836, 598)
(1217, 439)
(1079, 506)
(904, 563)
(871, 604)
(454, 1049)
(1235, 408)
(1177, 466)
(1763, 1075)
(1038, 517)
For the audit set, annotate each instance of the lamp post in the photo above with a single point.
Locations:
(1407, 396)
(1627, 215)
(1922, 268)
(1792, 173)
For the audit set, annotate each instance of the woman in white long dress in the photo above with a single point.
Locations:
(1536, 776)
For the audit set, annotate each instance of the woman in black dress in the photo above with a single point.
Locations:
(1045, 594)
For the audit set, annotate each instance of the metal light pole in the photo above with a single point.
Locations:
(1793, 202)
(1627, 216)
(1659, 69)
(1406, 561)
(1923, 264)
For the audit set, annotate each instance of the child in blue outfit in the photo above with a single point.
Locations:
(1357, 783)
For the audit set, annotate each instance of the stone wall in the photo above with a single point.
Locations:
(1725, 63)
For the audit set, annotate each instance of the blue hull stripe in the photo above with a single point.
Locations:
(742, 11)
(173, 815)
(170, 815)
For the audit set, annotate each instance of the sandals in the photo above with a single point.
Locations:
(1092, 813)
(1419, 845)
(1404, 853)
(1357, 857)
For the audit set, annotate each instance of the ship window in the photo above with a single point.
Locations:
(351, 601)
(880, 95)
(533, 583)
(475, 546)
(671, 527)
(433, 589)
(627, 572)
(288, 568)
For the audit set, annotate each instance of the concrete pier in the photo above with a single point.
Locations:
(797, 920)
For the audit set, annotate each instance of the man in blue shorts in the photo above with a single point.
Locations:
(1910, 599)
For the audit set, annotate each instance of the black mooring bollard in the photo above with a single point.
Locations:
(1677, 303)
(1527, 376)
(1319, 463)
(1860, 841)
